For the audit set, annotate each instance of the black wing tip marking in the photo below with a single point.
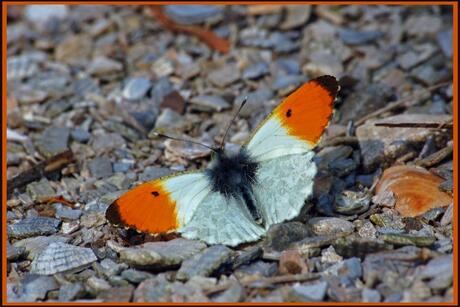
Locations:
(329, 83)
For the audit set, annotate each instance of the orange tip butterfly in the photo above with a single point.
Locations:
(239, 195)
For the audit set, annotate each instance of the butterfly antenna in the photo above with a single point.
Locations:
(182, 140)
(231, 122)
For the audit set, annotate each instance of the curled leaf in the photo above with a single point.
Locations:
(205, 35)
(415, 190)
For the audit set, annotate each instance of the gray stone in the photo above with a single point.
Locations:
(285, 84)
(351, 268)
(66, 212)
(15, 252)
(136, 88)
(235, 293)
(380, 146)
(438, 272)
(256, 70)
(169, 119)
(153, 290)
(40, 190)
(135, 276)
(351, 202)
(224, 76)
(34, 246)
(371, 296)
(62, 257)
(193, 14)
(160, 89)
(71, 291)
(36, 287)
(100, 167)
(280, 236)
(210, 103)
(40, 14)
(444, 39)
(54, 140)
(354, 37)
(102, 66)
(330, 226)
(297, 15)
(205, 263)
(161, 255)
(289, 66)
(255, 101)
(33, 226)
(154, 172)
(80, 135)
(315, 292)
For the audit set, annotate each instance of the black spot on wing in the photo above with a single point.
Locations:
(155, 193)
(289, 113)
(329, 83)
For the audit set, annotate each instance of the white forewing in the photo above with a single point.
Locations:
(272, 140)
(220, 220)
(188, 191)
(283, 185)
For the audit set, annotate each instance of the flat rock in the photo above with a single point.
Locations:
(354, 37)
(161, 255)
(280, 236)
(136, 276)
(256, 70)
(62, 257)
(34, 246)
(314, 292)
(53, 141)
(136, 88)
(40, 190)
(193, 14)
(205, 263)
(209, 103)
(380, 146)
(330, 226)
(297, 15)
(36, 287)
(100, 167)
(224, 76)
(33, 226)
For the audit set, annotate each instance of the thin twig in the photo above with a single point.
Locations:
(446, 125)
(44, 168)
(400, 103)
(266, 282)
(436, 157)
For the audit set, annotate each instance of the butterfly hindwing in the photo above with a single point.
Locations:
(222, 220)
(283, 184)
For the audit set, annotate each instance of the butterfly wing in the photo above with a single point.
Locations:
(283, 184)
(222, 220)
(161, 205)
(296, 125)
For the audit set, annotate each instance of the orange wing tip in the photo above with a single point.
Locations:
(328, 83)
(147, 208)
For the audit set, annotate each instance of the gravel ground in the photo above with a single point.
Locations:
(87, 86)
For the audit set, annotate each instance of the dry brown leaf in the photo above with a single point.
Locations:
(415, 189)
(207, 36)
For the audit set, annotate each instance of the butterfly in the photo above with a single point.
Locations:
(239, 195)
